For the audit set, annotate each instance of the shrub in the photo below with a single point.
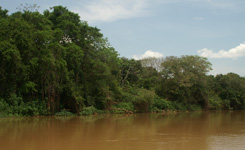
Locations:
(88, 110)
(215, 102)
(194, 107)
(143, 100)
(64, 113)
(226, 104)
(162, 104)
(15, 106)
(127, 106)
(159, 104)
(178, 106)
(128, 96)
(141, 106)
(3, 108)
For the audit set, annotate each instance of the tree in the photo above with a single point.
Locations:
(231, 88)
(152, 62)
(184, 79)
(131, 71)
(54, 61)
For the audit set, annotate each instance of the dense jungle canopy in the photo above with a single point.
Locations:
(54, 62)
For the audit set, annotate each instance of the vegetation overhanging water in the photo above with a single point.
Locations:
(54, 63)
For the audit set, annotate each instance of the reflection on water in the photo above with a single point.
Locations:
(184, 131)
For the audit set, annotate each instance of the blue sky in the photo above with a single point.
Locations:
(139, 28)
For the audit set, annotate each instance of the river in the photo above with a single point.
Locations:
(224, 130)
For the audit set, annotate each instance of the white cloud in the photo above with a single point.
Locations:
(148, 54)
(220, 4)
(198, 18)
(225, 4)
(234, 53)
(111, 10)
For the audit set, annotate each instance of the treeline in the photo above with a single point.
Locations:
(54, 62)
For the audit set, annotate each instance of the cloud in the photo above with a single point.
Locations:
(111, 10)
(148, 54)
(234, 53)
(198, 18)
(225, 4)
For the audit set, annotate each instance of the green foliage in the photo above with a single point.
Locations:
(125, 105)
(15, 106)
(143, 100)
(178, 106)
(64, 113)
(3, 108)
(55, 61)
(160, 104)
(29, 87)
(194, 107)
(88, 110)
(130, 72)
(57, 58)
(229, 90)
(216, 103)
(184, 79)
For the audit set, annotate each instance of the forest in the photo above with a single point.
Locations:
(55, 64)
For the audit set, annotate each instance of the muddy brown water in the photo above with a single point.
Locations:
(184, 131)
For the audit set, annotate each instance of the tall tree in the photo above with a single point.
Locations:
(230, 87)
(184, 79)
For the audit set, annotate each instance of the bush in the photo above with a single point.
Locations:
(143, 100)
(159, 104)
(226, 104)
(127, 106)
(194, 107)
(88, 110)
(3, 108)
(163, 104)
(178, 106)
(15, 106)
(216, 103)
(64, 113)
(128, 96)
(141, 106)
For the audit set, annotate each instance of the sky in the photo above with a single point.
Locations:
(159, 28)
